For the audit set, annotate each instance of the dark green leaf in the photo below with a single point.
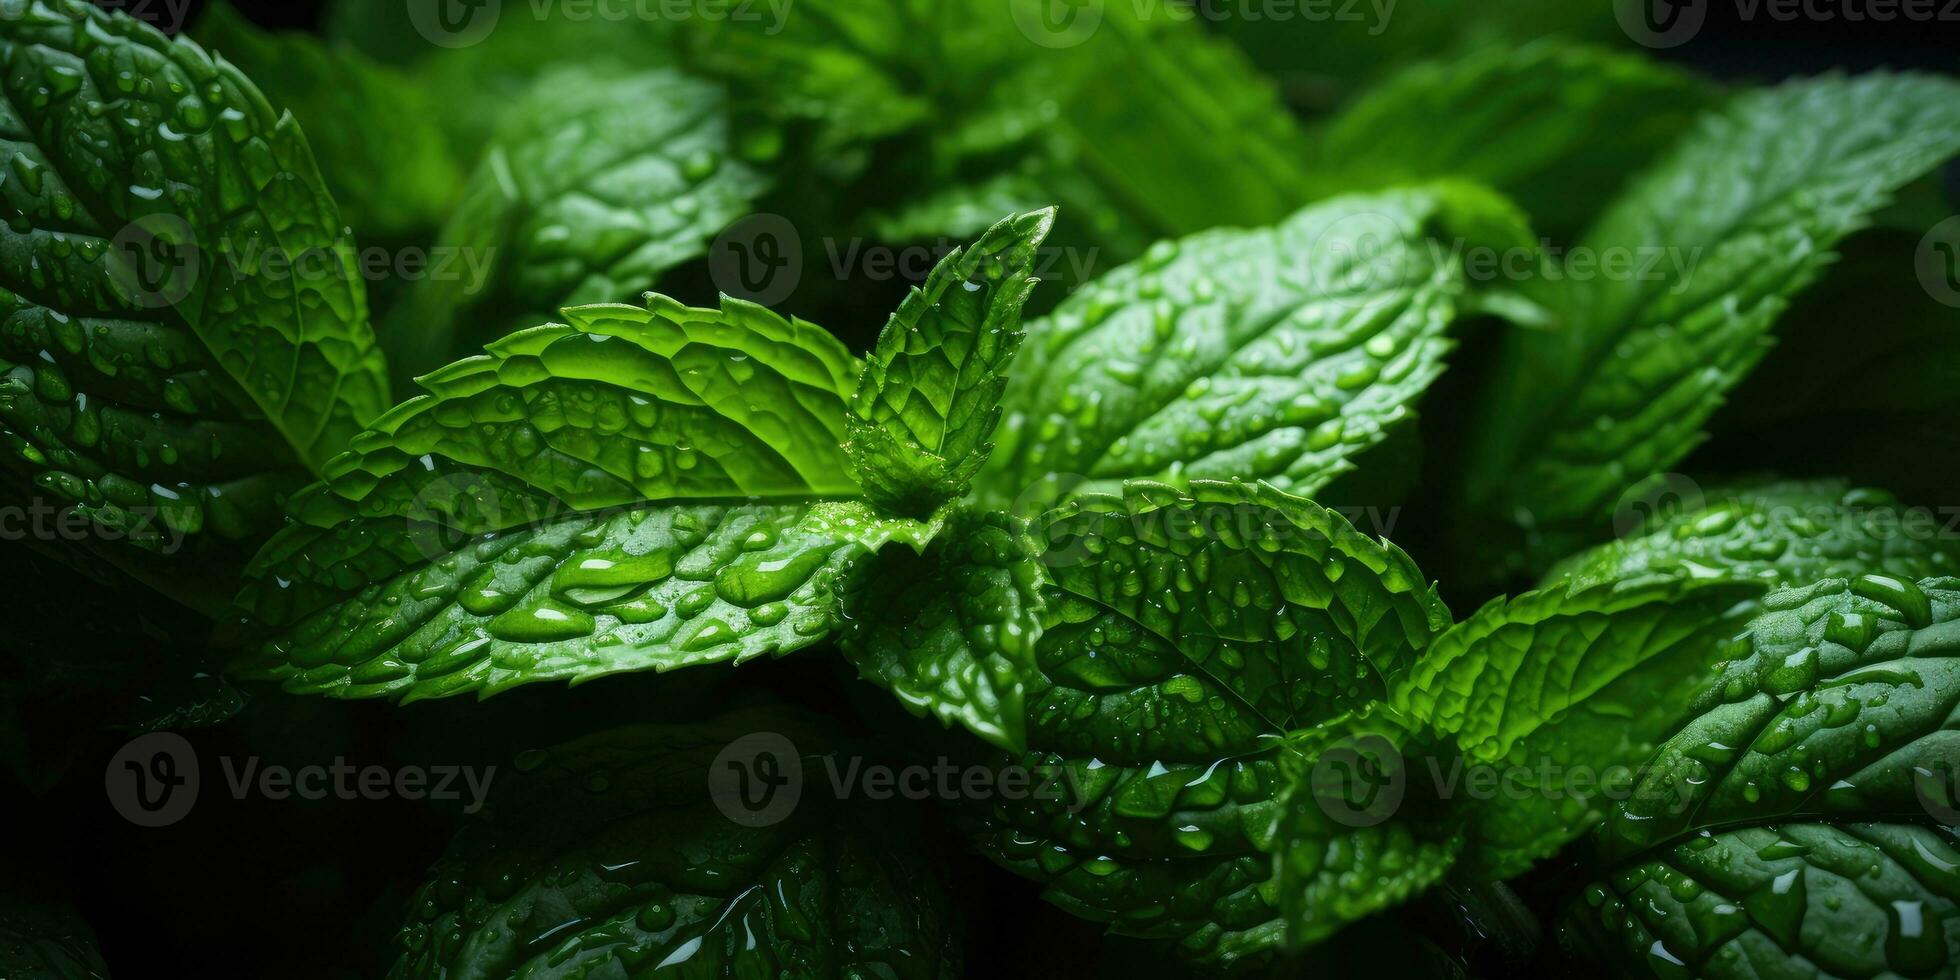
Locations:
(1742, 215)
(605, 858)
(372, 128)
(1784, 900)
(156, 344)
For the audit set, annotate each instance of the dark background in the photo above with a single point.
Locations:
(315, 889)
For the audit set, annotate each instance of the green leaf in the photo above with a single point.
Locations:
(1277, 353)
(399, 608)
(157, 357)
(1780, 533)
(954, 633)
(633, 489)
(1184, 634)
(1360, 827)
(1556, 126)
(615, 406)
(597, 183)
(605, 857)
(1757, 196)
(1783, 900)
(929, 396)
(1836, 705)
(372, 127)
(1558, 682)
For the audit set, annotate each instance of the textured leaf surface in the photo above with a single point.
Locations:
(1276, 353)
(1779, 533)
(148, 333)
(1555, 126)
(1756, 196)
(402, 608)
(1838, 704)
(605, 858)
(1785, 900)
(372, 127)
(1359, 828)
(1184, 635)
(615, 406)
(954, 632)
(929, 396)
(598, 182)
(1556, 681)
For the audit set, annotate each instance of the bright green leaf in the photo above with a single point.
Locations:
(616, 406)
(402, 608)
(954, 632)
(1779, 533)
(929, 396)
(1555, 683)
(1838, 704)
(1184, 635)
(1276, 354)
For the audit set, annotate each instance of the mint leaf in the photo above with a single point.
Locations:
(615, 406)
(1277, 353)
(1555, 126)
(1562, 680)
(597, 183)
(1787, 899)
(1185, 633)
(605, 857)
(369, 125)
(954, 632)
(399, 608)
(159, 360)
(1837, 703)
(928, 398)
(634, 489)
(1780, 533)
(1757, 196)
(1360, 827)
